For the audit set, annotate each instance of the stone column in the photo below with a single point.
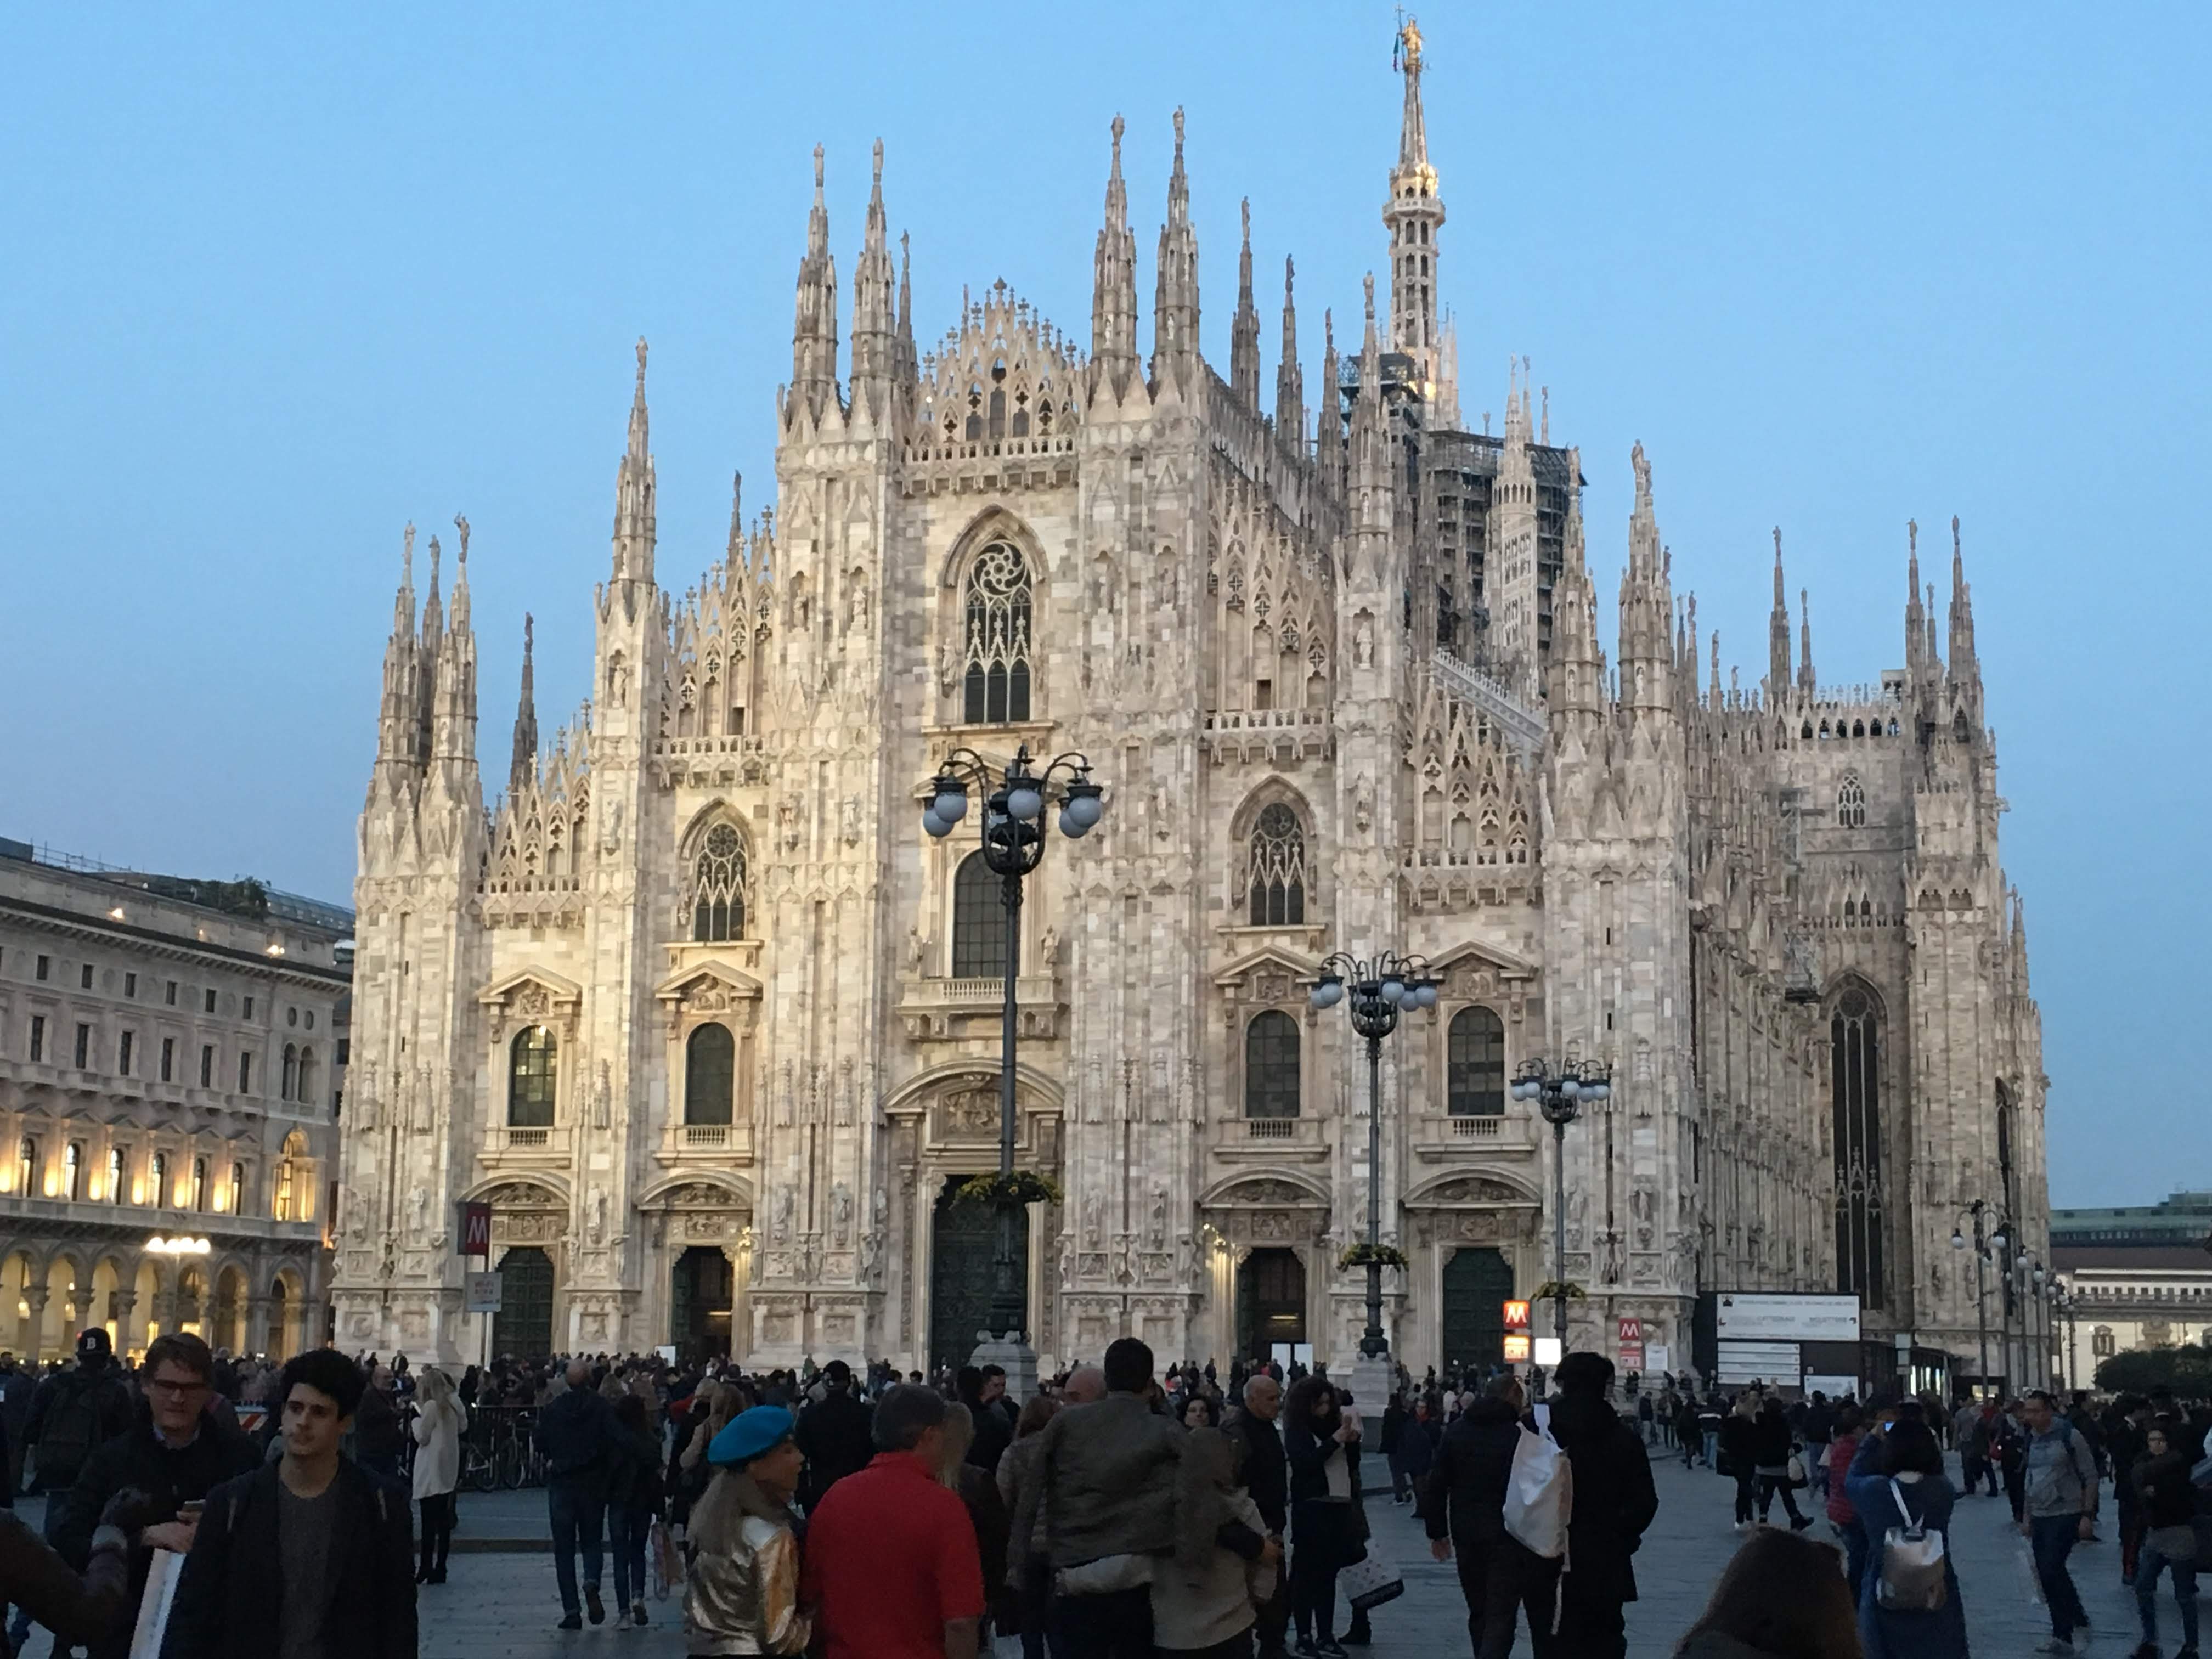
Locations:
(125, 1336)
(311, 1323)
(80, 1305)
(34, 1322)
(257, 1324)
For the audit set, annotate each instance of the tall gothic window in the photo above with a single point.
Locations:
(533, 1070)
(710, 1060)
(1271, 1065)
(2008, 1173)
(996, 687)
(1856, 1088)
(1277, 876)
(157, 1180)
(1476, 1064)
(718, 886)
(287, 1089)
(979, 921)
(1851, 802)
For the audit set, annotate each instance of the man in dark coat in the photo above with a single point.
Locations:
(308, 1554)
(1463, 1507)
(1266, 1475)
(835, 1433)
(576, 1430)
(177, 1452)
(1615, 1502)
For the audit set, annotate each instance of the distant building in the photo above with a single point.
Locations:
(172, 1058)
(2137, 1277)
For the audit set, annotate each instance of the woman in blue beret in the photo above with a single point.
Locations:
(741, 1595)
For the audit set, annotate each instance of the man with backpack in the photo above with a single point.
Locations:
(1463, 1507)
(2061, 1494)
(1613, 1502)
(75, 1410)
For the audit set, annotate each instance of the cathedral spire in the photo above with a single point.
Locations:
(522, 770)
(1175, 305)
(1413, 215)
(875, 319)
(1114, 279)
(1290, 378)
(1244, 331)
(1916, 630)
(397, 717)
(909, 363)
(1644, 603)
(1966, 666)
(634, 531)
(1575, 670)
(1328, 413)
(429, 646)
(814, 328)
(1778, 633)
(453, 726)
(1806, 682)
(1715, 699)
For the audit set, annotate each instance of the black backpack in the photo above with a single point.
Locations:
(72, 1428)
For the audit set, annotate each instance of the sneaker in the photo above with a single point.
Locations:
(593, 1606)
(1330, 1648)
(621, 1620)
(2055, 1645)
(637, 1614)
(2147, 1650)
(1801, 1523)
(570, 1621)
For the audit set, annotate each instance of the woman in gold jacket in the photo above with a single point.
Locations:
(741, 1592)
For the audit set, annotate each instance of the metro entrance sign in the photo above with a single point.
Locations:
(1632, 1344)
(476, 1229)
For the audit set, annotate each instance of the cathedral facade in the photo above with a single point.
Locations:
(696, 1005)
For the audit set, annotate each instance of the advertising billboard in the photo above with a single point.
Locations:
(1778, 1316)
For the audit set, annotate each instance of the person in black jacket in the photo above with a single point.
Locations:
(176, 1452)
(1772, 1441)
(1739, 1453)
(1267, 1481)
(1614, 1502)
(1463, 1507)
(632, 1504)
(835, 1433)
(310, 1554)
(575, 1432)
(1321, 1446)
(2168, 1507)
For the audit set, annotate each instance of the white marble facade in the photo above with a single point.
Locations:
(696, 1003)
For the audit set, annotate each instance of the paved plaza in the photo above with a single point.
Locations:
(499, 1603)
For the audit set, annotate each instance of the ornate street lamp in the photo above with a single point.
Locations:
(1378, 990)
(1559, 1096)
(1984, 1244)
(1011, 826)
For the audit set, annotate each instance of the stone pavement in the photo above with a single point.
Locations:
(499, 1603)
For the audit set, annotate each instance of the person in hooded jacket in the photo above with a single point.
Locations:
(1780, 1597)
(1614, 1502)
(1773, 1443)
(1463, 1507)
(1899, 1459)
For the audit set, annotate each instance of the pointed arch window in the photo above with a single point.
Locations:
(289, 1087)
(157, 1180)
(718, 886)
(1851, 802)
(1278, 874)
(1855, 1088)
(710, 1060)
(1476, 1064)
(979, 921)
(533, 1071)
(1271, 1065)
(996, 640)
(2007, 1154)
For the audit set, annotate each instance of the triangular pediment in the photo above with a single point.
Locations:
(1479, 954)
(558, 987)
(698, 976)
(1304, 969)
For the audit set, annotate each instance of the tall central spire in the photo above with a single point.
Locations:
(1290, 378)
(875, 317)
(1413, 215)
(1174, 307)
(1114, 281)
(634, 492)
(1244, 331)
(522, 769)
(814, 327)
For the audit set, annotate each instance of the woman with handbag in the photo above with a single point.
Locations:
(1321, 1447)
(439, 1421)
(1773, 1452)
(1908, 1608)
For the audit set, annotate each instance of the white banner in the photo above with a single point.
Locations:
(1776, 1363)
(1778, 1316)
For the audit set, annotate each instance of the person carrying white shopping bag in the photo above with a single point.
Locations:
(1583, 1498)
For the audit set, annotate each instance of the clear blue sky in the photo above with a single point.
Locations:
(273, 285)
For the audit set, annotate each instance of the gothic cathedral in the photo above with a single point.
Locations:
(714, 1028)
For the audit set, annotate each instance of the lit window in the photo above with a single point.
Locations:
(118, 1165)
(73, 1170)
(199, 1183)
(27, 1167)
(157, 1180)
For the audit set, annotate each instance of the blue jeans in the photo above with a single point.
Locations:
(1855, 1556)
(577, 1509)
(2149, 1565)
(1712, 1448)
(2053, 1538)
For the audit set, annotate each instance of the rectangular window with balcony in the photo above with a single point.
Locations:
(123, 1046)
(207, 1066)
(27, 1167)
(245, 1074)
(83, 1046)
(37, 1036)
(168, 1060)
(73, 1170)
(117, 1167)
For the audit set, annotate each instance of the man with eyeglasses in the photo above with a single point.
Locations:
(176, 1451)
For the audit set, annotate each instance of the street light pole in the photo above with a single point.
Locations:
(1011, 829)
(1379, 990)
(1560, 1097)
(1979, 1210)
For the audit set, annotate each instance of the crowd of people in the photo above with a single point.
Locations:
(1119, 1513)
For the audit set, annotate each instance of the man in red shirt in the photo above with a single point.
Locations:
(892, 1571)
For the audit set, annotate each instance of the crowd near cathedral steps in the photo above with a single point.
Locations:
(683, 992)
